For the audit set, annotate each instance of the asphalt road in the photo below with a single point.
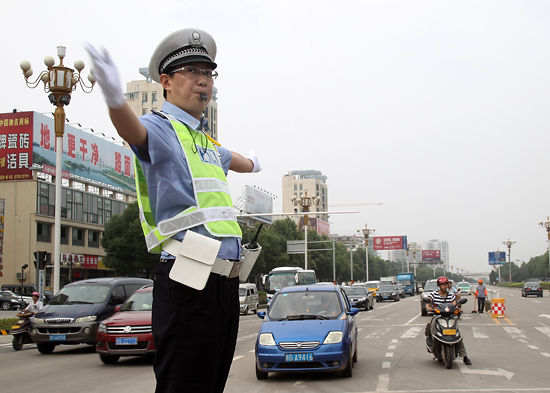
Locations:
(510, 354)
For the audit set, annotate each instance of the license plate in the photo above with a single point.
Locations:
(449, 332)
(58, 337)
(298, 357)
(126, 340)
(385, 297)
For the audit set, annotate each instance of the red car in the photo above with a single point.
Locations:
(128, 332)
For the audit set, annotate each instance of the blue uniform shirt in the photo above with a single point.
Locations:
(168, 178)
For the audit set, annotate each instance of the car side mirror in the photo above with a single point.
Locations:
(427, 300)
(352, 311)
(462, 301)
(261, 314)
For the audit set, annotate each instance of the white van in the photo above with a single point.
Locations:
(248, 297)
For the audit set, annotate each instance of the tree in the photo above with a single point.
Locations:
(124, 245)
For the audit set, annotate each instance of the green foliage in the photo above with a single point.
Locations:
(7, 323)
(124, 245)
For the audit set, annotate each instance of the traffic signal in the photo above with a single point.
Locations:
(41, 258)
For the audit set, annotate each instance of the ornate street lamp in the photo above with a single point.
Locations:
(412, 247)
(366, 233)
(509, 244)
(60, 81)
(305, 203)
(547, 226)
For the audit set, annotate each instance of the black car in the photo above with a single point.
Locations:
(531, 288)
(10, 301)
(387, 292)
(359, 297)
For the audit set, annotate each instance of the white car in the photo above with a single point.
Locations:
(464, 288)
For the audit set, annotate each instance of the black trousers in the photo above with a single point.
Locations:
(195, 332)
(480, 304)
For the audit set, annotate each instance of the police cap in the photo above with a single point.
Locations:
(182, 47)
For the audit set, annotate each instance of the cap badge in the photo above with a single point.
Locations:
(195, 39)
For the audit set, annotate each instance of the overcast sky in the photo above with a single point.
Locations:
(437, 109)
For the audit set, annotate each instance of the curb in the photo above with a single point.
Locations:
(4, 332)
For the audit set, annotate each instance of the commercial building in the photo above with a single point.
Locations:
(98, 183)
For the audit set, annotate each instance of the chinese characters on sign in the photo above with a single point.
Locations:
(389, 242)
(15, 146)
(79, 260)
(431, 255)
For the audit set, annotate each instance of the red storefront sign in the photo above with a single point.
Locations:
(79, 260)
(16, 139)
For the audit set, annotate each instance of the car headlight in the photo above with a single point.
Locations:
(89, 318)
(333, 338)
(393, 294)
(14, 300)
(363, 299)
(102, 328)
(38, 321)
(267, 339)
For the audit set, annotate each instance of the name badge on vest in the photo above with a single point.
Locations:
(209, 157)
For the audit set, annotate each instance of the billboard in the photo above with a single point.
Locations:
(83, 261)
(497, 258)
(389, 242)
(431, 255)
(258, 201)
(28, 138)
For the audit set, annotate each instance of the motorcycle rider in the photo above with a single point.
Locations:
(36, 304)
(443, 295)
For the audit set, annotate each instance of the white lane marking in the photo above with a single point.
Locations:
(379, 332)
(394, 341)
(533, 347)
(514, 332)
(237, 357)
(545, 354)
(383, 383)
(386, 364)
(389, 354)
(465, 370)
(478, 333)
(412, 332)
(544, 330)
(391, 347)
(298, 383)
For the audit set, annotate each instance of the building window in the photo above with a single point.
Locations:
(78, 237)
(143, 98)
(154, 98)
(64, 235)
(93, 239)
(295, 187)
(43, 232)
(143, 111)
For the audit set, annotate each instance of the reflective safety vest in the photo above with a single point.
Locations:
(213, 205)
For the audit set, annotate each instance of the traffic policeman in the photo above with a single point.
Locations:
(186, 212)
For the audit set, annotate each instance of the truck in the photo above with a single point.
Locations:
(407, 280)
(391, 280)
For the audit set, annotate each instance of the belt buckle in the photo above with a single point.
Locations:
(235, 269)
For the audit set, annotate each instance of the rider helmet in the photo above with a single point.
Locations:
(480, 281)
(35, 294)
(442, 280)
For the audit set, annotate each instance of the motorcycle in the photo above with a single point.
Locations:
(444, 333)
(22, 331)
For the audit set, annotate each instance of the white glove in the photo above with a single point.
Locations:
(254, 158)
(106, 74)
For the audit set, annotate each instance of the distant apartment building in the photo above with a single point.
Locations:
(296, 184)
(145, 96)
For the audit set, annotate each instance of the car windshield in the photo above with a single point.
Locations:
(139, 301)
(8, 294)
(463, 285)
(387, 288)
(242, 292)
(430, 286)
(532, 284)
(74, 294)
(305, 305)
(355, 291)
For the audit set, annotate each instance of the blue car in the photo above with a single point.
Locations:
(307, 328)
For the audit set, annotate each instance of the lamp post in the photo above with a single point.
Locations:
(412, 247)
(366, 233)
(305, 203)
(70, 263)
(547, 226)
(59, 81)
(509, 244)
